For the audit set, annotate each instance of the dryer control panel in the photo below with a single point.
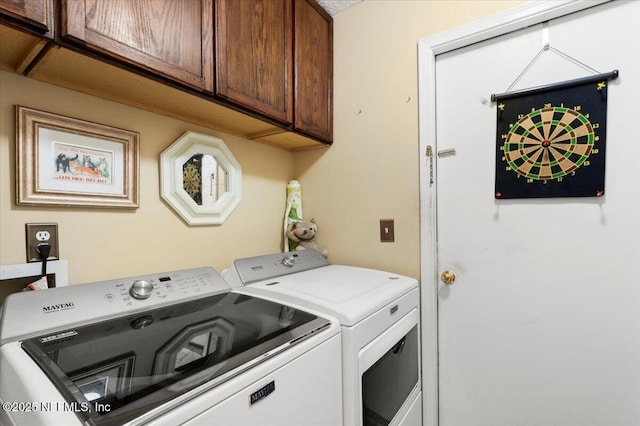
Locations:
(259, 268)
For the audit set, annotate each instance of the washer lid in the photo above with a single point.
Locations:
(349, 293)
(140, 364)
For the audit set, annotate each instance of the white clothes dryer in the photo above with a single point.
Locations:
(379, 316)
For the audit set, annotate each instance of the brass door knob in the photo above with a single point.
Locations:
(448, 277)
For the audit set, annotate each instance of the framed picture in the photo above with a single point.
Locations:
(63, 161)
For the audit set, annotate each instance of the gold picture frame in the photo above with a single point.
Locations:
(67, 162)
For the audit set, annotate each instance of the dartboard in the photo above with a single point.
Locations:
(192, 178)
(550, 143)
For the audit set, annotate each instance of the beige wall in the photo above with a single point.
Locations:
(107, 243)
(371, 171)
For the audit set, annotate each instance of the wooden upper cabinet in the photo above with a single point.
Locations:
(254, 57)
(313, 65)
(264, 66)
(34, 15)
(173, 39)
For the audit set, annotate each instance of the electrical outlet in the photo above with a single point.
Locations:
(41, 233)
(387, 234)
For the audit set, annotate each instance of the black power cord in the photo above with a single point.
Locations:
(44, 250)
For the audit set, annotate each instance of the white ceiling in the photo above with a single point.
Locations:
(335, 6)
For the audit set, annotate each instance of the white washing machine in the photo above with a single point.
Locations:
(379, 314)
(166, 349)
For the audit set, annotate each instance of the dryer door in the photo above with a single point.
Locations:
(390, 375)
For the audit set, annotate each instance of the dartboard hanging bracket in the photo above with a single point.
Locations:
(565, 84)
(551, 140)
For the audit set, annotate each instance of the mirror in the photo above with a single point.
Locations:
(200, 179)
(204, 179)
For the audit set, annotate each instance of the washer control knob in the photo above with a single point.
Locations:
(141, 289)
(289, 260)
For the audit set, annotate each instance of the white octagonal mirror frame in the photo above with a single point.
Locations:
(171, 179)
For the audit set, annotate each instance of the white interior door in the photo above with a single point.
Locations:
(542, 323)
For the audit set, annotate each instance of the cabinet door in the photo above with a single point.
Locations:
(313, 56)
(254, 66)
(34, 15)
(173, 38)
